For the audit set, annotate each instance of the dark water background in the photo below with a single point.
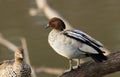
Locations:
(100, 19)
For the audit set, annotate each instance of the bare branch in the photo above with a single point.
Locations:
(93, 69)
(47, 70)
(49, 12)
(27, 59)
(24, 46)
(7, 43)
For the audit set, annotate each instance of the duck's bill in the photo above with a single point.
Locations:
(47, 26)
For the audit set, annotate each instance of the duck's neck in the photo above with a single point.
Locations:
(18, 61)
(56, 31)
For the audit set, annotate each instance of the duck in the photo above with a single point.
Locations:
(15, 67)
(73, 43)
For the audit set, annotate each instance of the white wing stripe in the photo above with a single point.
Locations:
(84, 37)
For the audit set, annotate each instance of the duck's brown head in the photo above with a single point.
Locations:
(56, 23)
(19, 54)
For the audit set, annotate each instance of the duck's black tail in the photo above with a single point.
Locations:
(98, 57)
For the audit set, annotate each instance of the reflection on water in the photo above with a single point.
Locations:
(100, 19)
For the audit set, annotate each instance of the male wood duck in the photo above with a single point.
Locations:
(73, 43)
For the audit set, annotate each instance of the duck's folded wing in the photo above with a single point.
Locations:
(90, 45)
(85, 37)
(5, 63)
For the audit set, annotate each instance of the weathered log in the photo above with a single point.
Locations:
(93, 69)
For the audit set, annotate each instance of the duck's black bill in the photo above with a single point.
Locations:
(47, 26)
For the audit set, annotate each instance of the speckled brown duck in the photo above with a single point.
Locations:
(16, 67)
